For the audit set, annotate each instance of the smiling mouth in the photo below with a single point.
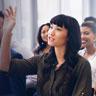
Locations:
(51, 39)
(83, 42)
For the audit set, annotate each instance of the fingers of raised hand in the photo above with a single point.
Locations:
(13, 11)
(10, 12)
(10, 19)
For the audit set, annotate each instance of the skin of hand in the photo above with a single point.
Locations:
(95, 88)
(9, 24)
(10, 19)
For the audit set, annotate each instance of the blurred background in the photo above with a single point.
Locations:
(33, 13)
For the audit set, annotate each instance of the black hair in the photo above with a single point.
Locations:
(90, 25)
(1, 14)
(41, 44)
(90, 19)
(74, 36)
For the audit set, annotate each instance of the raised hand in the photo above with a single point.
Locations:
(10, 19)
(9, 23)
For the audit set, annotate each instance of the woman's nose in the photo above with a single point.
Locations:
(46, 34)
(82, 36)
(51, 32)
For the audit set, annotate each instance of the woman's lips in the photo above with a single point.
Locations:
(83, 42)
(51, 39)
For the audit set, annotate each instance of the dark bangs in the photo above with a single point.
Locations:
(57, 20)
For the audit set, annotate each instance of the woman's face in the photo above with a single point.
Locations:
(87, 36)
(57, 36)
(44, 33)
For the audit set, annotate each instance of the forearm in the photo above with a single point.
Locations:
(5, 51)
(9, 23)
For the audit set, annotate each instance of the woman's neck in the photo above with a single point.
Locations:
(90, 50)
(60, 52)
(46, 50)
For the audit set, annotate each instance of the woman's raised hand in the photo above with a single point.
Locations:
(9, 20)
(9, 23)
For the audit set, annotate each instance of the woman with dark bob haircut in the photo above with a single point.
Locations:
(61, 72)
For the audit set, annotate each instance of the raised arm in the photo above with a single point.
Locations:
(9, 23)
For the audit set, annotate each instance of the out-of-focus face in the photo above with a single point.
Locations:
(57, 36)
(44, 33)
(87, 37)
(1, 22)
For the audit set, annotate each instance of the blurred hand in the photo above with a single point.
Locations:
(9, 20)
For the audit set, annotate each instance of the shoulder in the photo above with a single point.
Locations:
(83, 63)
(38, 58)
(83, 68)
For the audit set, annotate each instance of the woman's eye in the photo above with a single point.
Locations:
(86, 33)
(43, 32)
(58, 29)
(51, 27)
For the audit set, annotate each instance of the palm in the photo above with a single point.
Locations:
(10, 20)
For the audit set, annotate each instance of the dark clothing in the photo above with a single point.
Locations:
(31, 87)
(66, 81)
(4, 83)
(15, 80)
(9, 84)
(15, 55)
(5, 89)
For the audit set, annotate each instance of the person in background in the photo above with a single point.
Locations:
(10, 84)
(42, 40)
(61, 72)
(41, 48)
(13, 52)
(88, 36)
(18, 51)
(90, 19)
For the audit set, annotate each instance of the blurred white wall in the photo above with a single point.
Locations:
(72, 8)
(1, 5)
(86, 8)
(32, 13)
(46, 10)
(93, 7)
(23, 29)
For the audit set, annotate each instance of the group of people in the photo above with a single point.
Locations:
(57, 64)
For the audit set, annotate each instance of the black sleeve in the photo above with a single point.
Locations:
(83, 86)
(4, 84)
(23, 66)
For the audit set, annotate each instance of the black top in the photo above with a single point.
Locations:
(66, 81)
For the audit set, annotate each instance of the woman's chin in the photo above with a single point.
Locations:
(50, 44)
